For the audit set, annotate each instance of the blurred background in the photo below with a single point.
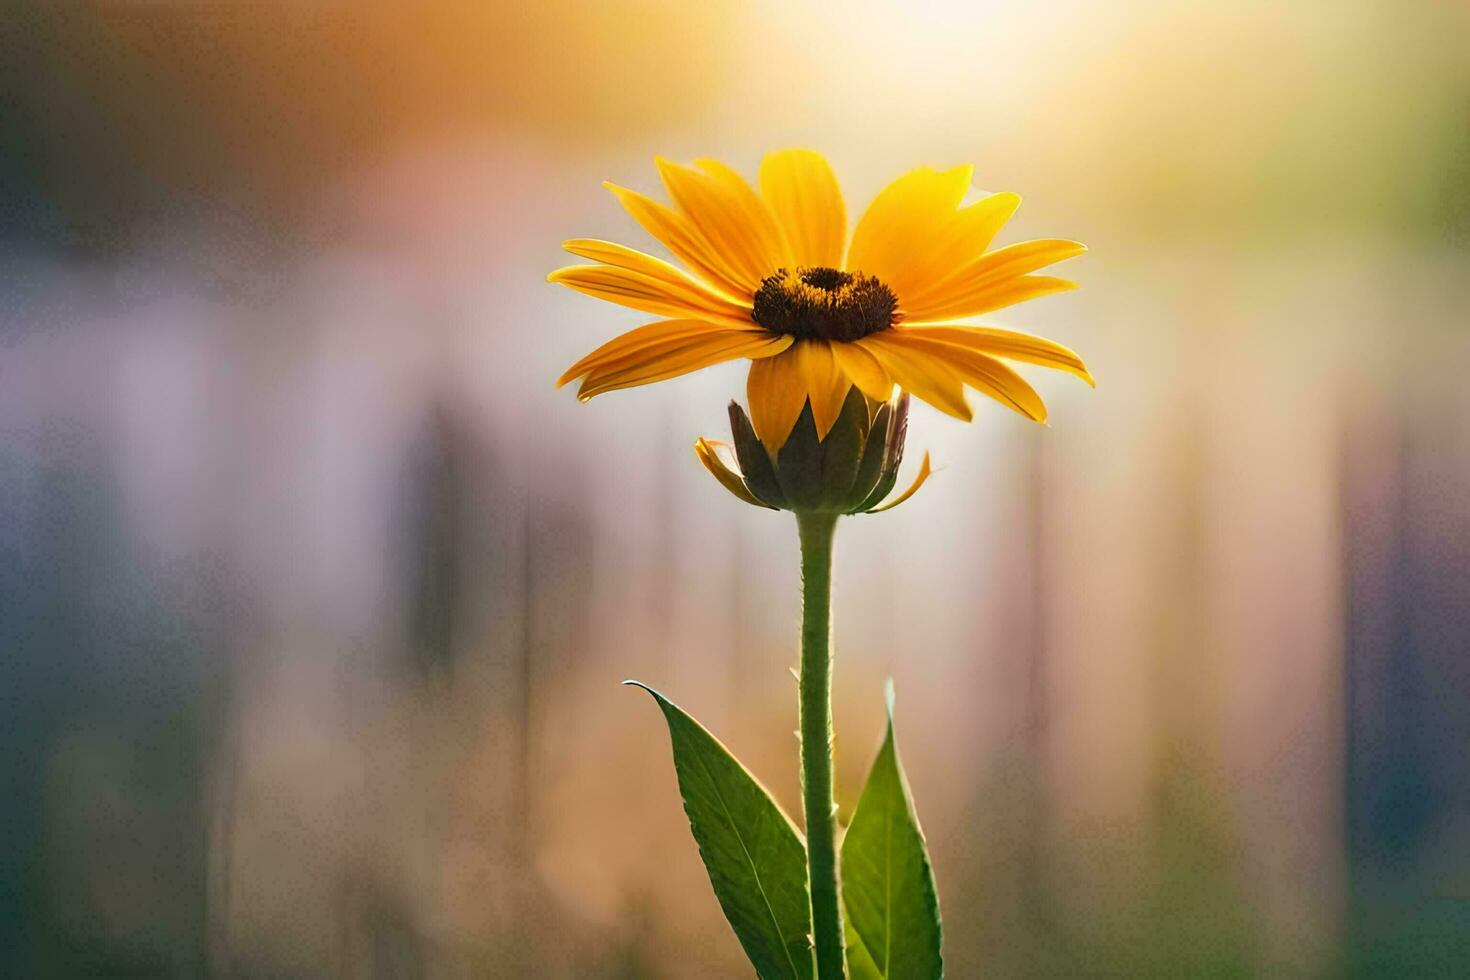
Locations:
(315, 595)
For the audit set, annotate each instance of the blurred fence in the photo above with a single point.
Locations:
(315, 595)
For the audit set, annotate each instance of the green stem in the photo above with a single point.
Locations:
(816, 740)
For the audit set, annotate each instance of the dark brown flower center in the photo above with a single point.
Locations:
(822, 303)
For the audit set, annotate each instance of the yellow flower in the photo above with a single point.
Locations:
(773, 277)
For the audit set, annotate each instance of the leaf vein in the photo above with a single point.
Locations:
(755, 871)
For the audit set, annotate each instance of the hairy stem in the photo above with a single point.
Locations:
(816, 740)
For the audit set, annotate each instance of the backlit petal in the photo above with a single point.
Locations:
(980, 371)
(802, 192)
(719, 214)
(920, 374)
(611, 253)
(826, 384)
(661, 332)
(651, 293)
(859, 364)
(729, 479)
(972, 290)
(776, 390)
(1009, 344)
(965, 239)
(987, 299)
(903, 220)
(680, 237)
(753, 209)
(924, 471)
(621, 362)
(661, 362)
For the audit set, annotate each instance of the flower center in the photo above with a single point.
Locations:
(822, 303)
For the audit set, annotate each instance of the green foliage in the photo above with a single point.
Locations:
(860, 965)
(755, 857)
(887, 882)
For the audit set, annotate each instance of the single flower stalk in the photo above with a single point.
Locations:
(840, 332)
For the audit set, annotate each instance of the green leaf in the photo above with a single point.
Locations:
(755, 857)
(860, 965)
(887, 882)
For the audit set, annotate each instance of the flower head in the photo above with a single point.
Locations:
(772, 276)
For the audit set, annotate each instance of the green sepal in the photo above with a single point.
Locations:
(871, 467)
(892, 456)
(887, 880)
(754, 854)
(842, 450)
(851, 470)
(755, 462)
(799, 464)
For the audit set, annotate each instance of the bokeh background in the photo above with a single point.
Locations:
(315, 595)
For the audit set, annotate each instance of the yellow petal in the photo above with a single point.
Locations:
(753, 209)
(903, 219)
(680, 237)
(611, 253)
(924, 470)
(634, 356)
(964, 240)
(678, 358)
(992, 298)
(1018, 259)
(993, 274)
(650, 293)
(826, 385)
(717, 213)
(980, 371)
(776, 390)
(729, 479)
(1010, 344)
(802, 191)
(920, 374)
(641, 338)
(859, 364)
